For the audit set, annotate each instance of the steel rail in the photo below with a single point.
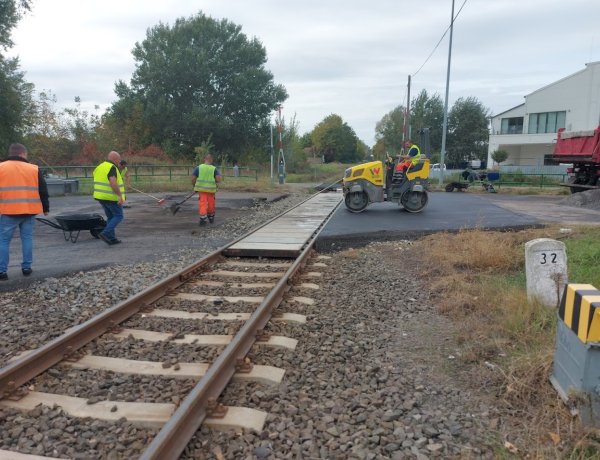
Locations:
(21, 370)
(174, 436)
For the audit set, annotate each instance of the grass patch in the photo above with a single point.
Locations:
(507, 342)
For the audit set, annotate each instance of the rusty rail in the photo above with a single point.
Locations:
(174, 436)
(177, 432)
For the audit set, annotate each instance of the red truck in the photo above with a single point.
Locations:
(582, 149)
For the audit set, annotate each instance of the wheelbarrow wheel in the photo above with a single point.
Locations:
(96, 232)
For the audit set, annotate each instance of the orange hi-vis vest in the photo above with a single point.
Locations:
(19, 188)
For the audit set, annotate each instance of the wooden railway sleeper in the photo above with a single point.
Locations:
(243, 365)
(214, 409)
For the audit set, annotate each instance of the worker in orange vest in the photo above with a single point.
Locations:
(23, 195)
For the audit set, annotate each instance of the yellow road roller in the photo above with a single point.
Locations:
(365, 184)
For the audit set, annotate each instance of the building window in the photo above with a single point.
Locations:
(512, 125)
(547, 122)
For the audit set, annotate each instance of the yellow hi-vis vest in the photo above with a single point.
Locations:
(102, 188)
(206, 179)
(19, 188)
(414, 154)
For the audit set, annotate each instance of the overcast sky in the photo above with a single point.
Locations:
(347, 57)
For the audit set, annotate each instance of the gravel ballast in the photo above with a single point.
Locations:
(373, 375)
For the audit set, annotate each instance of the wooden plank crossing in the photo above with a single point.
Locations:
(287, 235)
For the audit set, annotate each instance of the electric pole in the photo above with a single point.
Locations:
(445, 124)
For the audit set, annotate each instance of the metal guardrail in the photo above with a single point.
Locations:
(141, 172)
(520, 179)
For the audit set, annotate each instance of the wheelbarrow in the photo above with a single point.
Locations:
(72, 224)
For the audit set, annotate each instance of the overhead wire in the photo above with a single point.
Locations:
(440, 40)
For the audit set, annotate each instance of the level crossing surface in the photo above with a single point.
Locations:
(288, 234)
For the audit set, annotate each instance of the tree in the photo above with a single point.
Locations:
(201, 77)
(467, 130)
(15, 92)
(10, 13)
(499, 156)
(335, 140)
(428, 112)
(390, 130)
(16, 103)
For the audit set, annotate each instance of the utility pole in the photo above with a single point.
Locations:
(407, 113)
(281, 156)
(445, 124)
(406, 118)
(272, 150)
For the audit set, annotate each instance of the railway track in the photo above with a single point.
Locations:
(194, 328)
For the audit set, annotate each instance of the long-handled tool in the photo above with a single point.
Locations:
(160, 200)
(177, 206)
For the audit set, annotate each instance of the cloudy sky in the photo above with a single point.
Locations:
(348, 57)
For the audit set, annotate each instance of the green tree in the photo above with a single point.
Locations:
(15, 92)
(428, 112)
(335, 140)
(390, 130)
(11, 12)
(499, 156)
(16, 103)
(467, 131)
(197, 78)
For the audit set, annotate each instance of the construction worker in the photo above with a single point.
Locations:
(109, 191)
(205, 179)
(409, 159)
(23, 194)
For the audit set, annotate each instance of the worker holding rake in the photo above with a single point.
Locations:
(205, 179)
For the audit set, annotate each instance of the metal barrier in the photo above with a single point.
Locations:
(139, 172)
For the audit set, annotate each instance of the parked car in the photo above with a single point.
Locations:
(436, 167)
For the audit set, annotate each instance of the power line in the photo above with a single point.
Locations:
(440, 41)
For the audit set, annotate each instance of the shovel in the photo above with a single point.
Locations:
(177, 206)
(160, 200)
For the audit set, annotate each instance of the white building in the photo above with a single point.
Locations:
(528, 131)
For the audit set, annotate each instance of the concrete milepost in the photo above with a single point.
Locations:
(546, 270)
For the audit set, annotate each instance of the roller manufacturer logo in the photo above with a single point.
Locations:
(375, 171)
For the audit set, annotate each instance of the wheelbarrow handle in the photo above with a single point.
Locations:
(49, 222)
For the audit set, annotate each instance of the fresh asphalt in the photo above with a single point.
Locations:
(445, 212)
(150, 231)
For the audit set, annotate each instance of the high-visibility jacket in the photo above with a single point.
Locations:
(19, 188)
(102, 188)
(205, 182)
(414, 154)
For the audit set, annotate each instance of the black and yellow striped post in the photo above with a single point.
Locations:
(576, 370)
(580, 311)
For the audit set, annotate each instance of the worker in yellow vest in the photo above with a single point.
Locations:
(109, 191)
(205, 179)
(23, 194)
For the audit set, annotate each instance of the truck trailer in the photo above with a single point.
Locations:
(582, 150)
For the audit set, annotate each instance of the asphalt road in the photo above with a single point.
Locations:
(449, 212)
(150, 231)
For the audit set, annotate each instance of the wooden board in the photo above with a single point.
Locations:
(265, 374)
(286, 317)
(208, 340)
(151, 415)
